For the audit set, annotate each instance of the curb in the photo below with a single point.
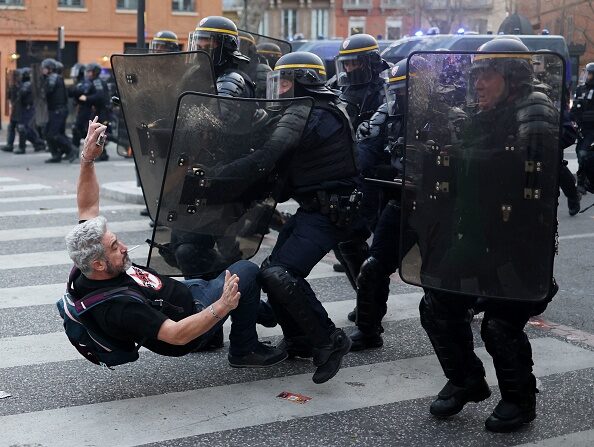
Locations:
(123, 192)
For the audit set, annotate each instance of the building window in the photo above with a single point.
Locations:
(319, 23)
(71, 3)
(127, 4)
(11, 3)
(289, 23)
(393, 29)
(356, 25)
(183, 5)
(263, 25)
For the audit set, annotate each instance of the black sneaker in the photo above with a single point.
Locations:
(451, 399)
(508, 416)
(364, 340)
(260, 357)
(329, 359)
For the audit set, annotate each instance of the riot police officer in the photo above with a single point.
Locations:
(323, 179)
(380, 151)
(504, 88)
(582, 112)
(219, 37)
(26, 114)
(96, 100)
(56, 99)
(83, 109)
(164, 42)
(12, 94)
(358, 68)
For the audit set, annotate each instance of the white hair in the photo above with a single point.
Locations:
(85, 243)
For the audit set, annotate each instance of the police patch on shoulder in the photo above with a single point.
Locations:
(345, 44)
(144, 278)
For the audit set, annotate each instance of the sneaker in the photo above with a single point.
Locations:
(508, 416)
(573, 204)
(451, 399)
(329, 359)
(363, 340)
(260, 357)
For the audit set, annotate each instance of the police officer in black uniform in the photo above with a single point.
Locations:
(505, 97)
(57, 100)
(12, 94)
(380, 139)
(219, 37)
(83, 110)
(327, 194)
(26, 114)
(582, 113)
(164, 42)
(96, 101)
(358, 68)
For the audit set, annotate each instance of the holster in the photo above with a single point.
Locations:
(340, 208)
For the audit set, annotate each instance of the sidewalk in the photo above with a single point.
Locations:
(126, 192)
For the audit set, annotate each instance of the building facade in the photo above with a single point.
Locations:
(93, 29)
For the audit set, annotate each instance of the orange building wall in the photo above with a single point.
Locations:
(375, 19)
(99, 29)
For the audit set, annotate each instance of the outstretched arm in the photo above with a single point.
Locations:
(87, 189)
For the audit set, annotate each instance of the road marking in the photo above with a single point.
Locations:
(214, 409)
(61, 231)
(578, 439)
(23, 187)
(577, 236)
(73, 210)
(37, 198)
(54, 347)
(8, 179)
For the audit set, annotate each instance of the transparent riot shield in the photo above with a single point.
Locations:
(227, 165)
(480, 210)
(39, 99)
(149, 86)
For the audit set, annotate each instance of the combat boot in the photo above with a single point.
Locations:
(509, 416)
(19, 150)
(7, 148)
(573, 204)
(452, 398)
(328, 359)
(296, 347)
(365, 340)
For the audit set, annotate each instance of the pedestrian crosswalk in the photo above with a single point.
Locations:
(379, 397)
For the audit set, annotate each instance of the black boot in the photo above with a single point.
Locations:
(365, 340)
(509, 416)
(352, 315)
(573, 204)
(351, 255)
(7, 148)
(262, 356)
(296, 347)
(19, 150)
(451, 399)
(328, 359)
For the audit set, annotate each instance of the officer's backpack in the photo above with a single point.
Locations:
(88, 339)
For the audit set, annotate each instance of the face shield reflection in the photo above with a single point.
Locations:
(207, 42)
(280, 84)
(352, 70)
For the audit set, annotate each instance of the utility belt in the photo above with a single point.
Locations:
(341, 208)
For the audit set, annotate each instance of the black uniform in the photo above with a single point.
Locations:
(57, 105)
(583, 114)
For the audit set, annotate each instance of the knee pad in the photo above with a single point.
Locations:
(276, 281)
(371, 272)
(504, 339)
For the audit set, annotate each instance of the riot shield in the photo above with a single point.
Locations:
(226, 169)
(39, 99)
(149, 86)
(480, 212)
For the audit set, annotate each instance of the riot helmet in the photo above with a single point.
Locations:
(395, 87)
(219, 37)
(49, 64)
(59, 67)
(270, 52)
(590, 73)
(297, 74)
(497, 78)
(358, 60)
(94, 68)
(25, 74)
(164, 42)
(247, 44)
(77, 72)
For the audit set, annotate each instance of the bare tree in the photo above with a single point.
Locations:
(255, 11)
(441, 13)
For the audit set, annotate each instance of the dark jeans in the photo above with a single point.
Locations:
(243, 337)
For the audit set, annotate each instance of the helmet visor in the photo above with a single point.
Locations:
(280, 84)
(163, 46)
(207, 42)
(353, 70)
(395, 91)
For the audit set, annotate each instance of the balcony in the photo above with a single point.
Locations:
(394, 4)
(356, 4)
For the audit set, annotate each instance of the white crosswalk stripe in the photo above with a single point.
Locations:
(375, 379)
